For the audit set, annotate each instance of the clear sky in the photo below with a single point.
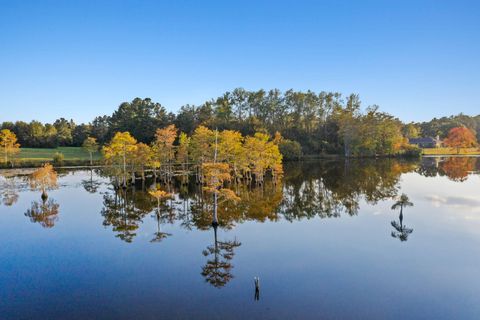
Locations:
(79, 59)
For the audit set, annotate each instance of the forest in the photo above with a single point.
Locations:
(310, 123)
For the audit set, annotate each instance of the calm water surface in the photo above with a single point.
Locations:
(325, 244)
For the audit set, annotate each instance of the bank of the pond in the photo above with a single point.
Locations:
(450, 151)
(75, 157)
(78, 157)
(341, 156)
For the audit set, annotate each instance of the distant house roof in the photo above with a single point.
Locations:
(422, 140)
(426, 142)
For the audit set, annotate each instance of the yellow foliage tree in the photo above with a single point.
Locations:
(214, 177)
(256, 148)
(118, 150)
(183, 154)
(201, 147)
(160, 195)
(215, 174)
(143, 156)
(43, 179)
(274, 159)
(163, 148)
(8, 144)
(231, 151)
(263, 155)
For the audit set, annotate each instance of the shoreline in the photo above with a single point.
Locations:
(81, 164)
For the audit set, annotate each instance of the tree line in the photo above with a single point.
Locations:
(441, 126)
(310, 122)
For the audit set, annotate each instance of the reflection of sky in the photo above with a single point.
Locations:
(459, 202)
(456, 204)
(319, 268)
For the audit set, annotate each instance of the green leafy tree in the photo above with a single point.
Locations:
(91, 146)
(140, 117)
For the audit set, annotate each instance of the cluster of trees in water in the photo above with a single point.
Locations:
(213, 157)
(311, 123)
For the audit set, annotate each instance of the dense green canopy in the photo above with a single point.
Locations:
(324, 122)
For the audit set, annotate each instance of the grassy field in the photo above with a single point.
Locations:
(44, 154)
(34, 157)
(450, 151)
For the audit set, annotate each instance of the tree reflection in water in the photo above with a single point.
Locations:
(218, 269)
(8, 193)
(458, 168)
(401, 231)
(317, 189)
(124, 211)
(91, 185)
(323, 189)
(310, 189)
(329, 189)
(159, 235)
(162, 208)
(455, 168)
(45, 213)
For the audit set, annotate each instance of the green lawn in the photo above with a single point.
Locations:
(451, 151)
(45, 154)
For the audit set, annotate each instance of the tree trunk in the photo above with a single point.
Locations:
(124, 172)
(401, 216)
(215, 213)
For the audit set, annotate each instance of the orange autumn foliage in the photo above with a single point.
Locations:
(460, 137)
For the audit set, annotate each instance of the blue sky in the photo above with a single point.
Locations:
(79, 59)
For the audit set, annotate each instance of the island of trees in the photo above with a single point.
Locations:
(211, 156)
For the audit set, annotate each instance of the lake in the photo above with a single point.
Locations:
(324, 243)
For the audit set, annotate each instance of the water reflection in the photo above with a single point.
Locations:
(455, 168)
(164, 213)
(218, 269)
(330, 189)
(327, 189)
(256, 281)
(12, 182)
(401, 231)
(9, 193)
(319, 190)
(458, 168)
(159, 235)
(124, 210)
(45, 213)
(91, 185)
